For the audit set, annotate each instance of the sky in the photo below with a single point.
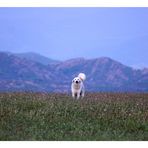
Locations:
(64, 33)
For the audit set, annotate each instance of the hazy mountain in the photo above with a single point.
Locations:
(103, 74)
(37, 58)
(21, 74)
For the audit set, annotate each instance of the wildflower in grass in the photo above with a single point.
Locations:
(105, 110)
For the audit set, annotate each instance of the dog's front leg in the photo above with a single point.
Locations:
(78, 95)
(82, 95)
(73, 95)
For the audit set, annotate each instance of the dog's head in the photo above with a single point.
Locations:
(77, 80)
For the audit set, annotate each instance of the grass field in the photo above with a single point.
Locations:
(99, 116)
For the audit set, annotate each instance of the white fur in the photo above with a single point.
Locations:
(82, 76)
(77, 86)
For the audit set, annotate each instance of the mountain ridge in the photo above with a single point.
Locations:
(103, 74)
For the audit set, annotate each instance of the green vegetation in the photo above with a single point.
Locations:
(99, 116)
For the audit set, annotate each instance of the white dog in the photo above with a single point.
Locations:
(77, 86)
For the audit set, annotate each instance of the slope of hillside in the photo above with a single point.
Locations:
(103, 74)
(22, 74)
(37, 58)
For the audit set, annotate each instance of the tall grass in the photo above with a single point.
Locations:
(99, 116)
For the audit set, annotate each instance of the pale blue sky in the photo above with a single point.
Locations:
(64, 33)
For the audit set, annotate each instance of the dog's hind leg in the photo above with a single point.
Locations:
(82, 94)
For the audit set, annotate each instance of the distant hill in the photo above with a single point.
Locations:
(37, 58)
(103, 74)
(22, 74)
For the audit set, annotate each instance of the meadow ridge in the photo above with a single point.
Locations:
(58, 117)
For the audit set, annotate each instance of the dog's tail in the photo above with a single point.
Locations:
(82, 76)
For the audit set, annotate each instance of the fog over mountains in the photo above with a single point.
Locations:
(34, 72)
